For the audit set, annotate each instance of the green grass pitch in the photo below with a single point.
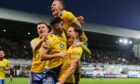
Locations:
(86, 81)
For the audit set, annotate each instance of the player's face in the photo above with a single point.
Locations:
(41, 29)
(59, 27)
(56, 8)
(70, 41)
(71, 33)
(2, 54)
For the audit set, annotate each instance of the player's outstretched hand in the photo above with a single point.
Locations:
(80, 19)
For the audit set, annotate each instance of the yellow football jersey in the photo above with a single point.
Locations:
(75, 53)
(68, 19)
(55, 44)
(37, 64)
(3, 63)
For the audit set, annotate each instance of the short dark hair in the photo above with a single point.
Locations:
(77, 29)
(42, 22)
(61, 2)
(1, 49)
(55, 20)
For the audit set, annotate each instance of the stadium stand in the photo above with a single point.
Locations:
(16, 48)
(113, 57)
(20, 54)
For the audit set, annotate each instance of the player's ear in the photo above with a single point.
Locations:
(61, 7)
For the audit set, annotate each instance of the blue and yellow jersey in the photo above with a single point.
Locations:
(68, 19)
(3, 63)
(54, 45)
(37, 64)
(75, 53)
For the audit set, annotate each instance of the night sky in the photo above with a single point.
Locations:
(118, 13)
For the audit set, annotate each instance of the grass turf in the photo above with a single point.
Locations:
(86, 81)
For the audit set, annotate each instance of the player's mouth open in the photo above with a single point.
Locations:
(53, 10)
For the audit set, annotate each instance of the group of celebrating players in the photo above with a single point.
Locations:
(58, 49)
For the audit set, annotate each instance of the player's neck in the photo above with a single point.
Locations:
(60, 13)
(1, 58)
(40, 37)
(58, 33)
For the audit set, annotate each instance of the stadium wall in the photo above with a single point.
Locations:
(110, 71)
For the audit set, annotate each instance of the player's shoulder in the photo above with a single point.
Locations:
(51, 38)
(67, 12)
(35, 39)
(5, 60)
(78, 48)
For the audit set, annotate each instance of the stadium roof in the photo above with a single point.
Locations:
(27, 17)
(118, 13)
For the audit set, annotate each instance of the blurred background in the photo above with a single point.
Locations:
(112, 28)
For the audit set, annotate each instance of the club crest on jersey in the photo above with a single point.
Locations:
(61, 45)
